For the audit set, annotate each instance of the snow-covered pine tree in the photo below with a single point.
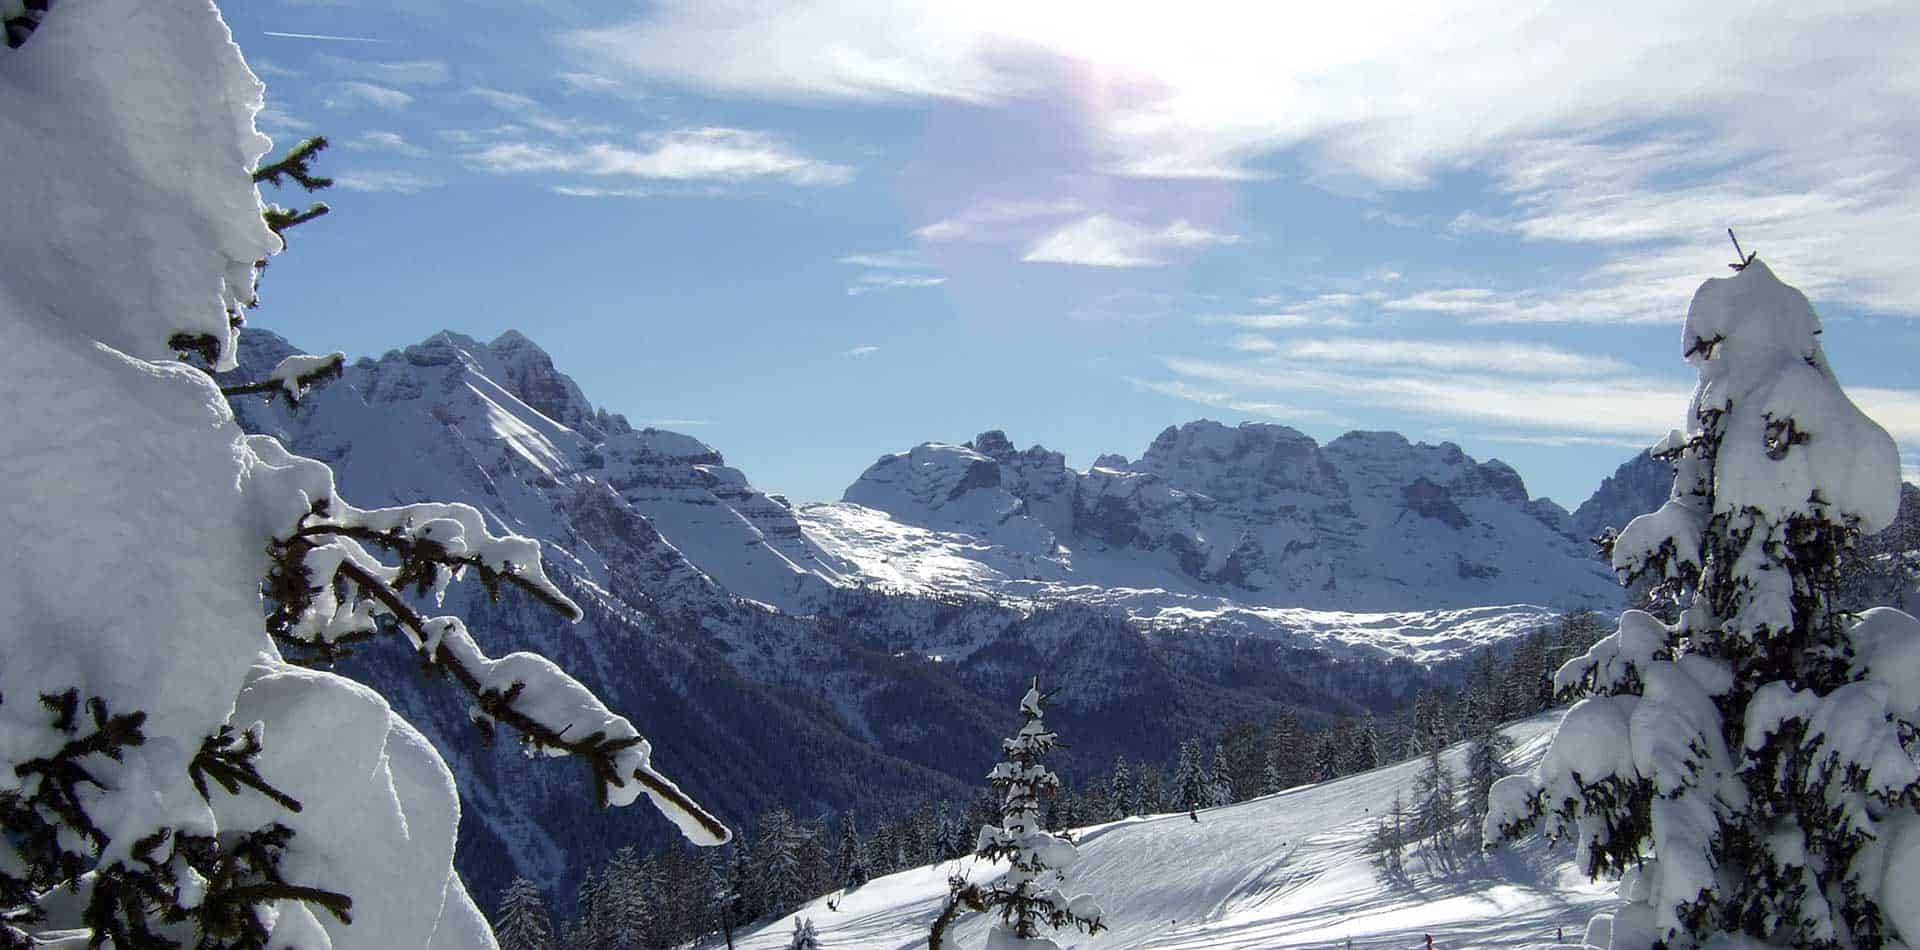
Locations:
(805, 937)
(1246, 757)
(779, 877)
(1119, 791)
(1219, 782)
(741, 900)
(1325, 766)
(1750, 766)
(1284, 764)
(850, 858)
(1149, 796)
(175, 775)
(1367, 750)
(1029, 896)
(958, 842)
(1272, 780)
(627, 894)
(522, 923)
(593, 925)
(1189, 777)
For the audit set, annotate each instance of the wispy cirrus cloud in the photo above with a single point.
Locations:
(274, 119)
(381, 141)
(871, 282)
(1524, 359)
(414, 72)
(996, 219)
(1638, 407)
(687, 155)
(1104, 241)
(390, 181)
(888, 260)
(504, 100)
(867, 349)
(1221, 399)
(352, 94)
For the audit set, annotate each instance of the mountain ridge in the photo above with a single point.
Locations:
(746, 649)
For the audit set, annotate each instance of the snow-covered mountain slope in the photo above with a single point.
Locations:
(1259, 516)
(1287, 870)
(676, 559)
(497, 425)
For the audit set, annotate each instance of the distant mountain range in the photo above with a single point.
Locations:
(1225, 573)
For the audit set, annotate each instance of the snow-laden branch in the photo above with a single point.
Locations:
(331, 588)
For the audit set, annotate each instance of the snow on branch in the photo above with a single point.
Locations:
(294, 377)
(297, 164)
(330, 588)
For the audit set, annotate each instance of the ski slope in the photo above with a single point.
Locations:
(1287, 870)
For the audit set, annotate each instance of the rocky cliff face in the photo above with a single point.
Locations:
(1639, 485)
(1261, 514)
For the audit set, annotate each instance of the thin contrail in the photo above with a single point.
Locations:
(324, 36)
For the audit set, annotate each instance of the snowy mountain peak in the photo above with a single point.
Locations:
(528, 372)
(1258, 513)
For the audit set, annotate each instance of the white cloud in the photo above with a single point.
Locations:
(386, 142)
(1636, 407)
(505, 101)
(888, 260)
(582, 191)
(995, 220)
(274, 120)
(401, 182)
(1262, 321)
(868, 283)
(346, 95)
(864, 350)
(268, 69)
(1387, 90)
(590, 82)
(403, 73)
(1103, 241)
(688, 155)
(1524, 359)
(1640, 126)
(1225, 400)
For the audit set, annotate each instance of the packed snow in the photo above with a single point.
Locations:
(1290, 870)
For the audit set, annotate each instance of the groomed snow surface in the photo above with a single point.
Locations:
(1286, 870)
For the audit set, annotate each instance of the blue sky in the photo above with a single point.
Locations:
(812, 232)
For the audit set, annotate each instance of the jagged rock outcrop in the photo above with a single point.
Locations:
(1639, 485)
